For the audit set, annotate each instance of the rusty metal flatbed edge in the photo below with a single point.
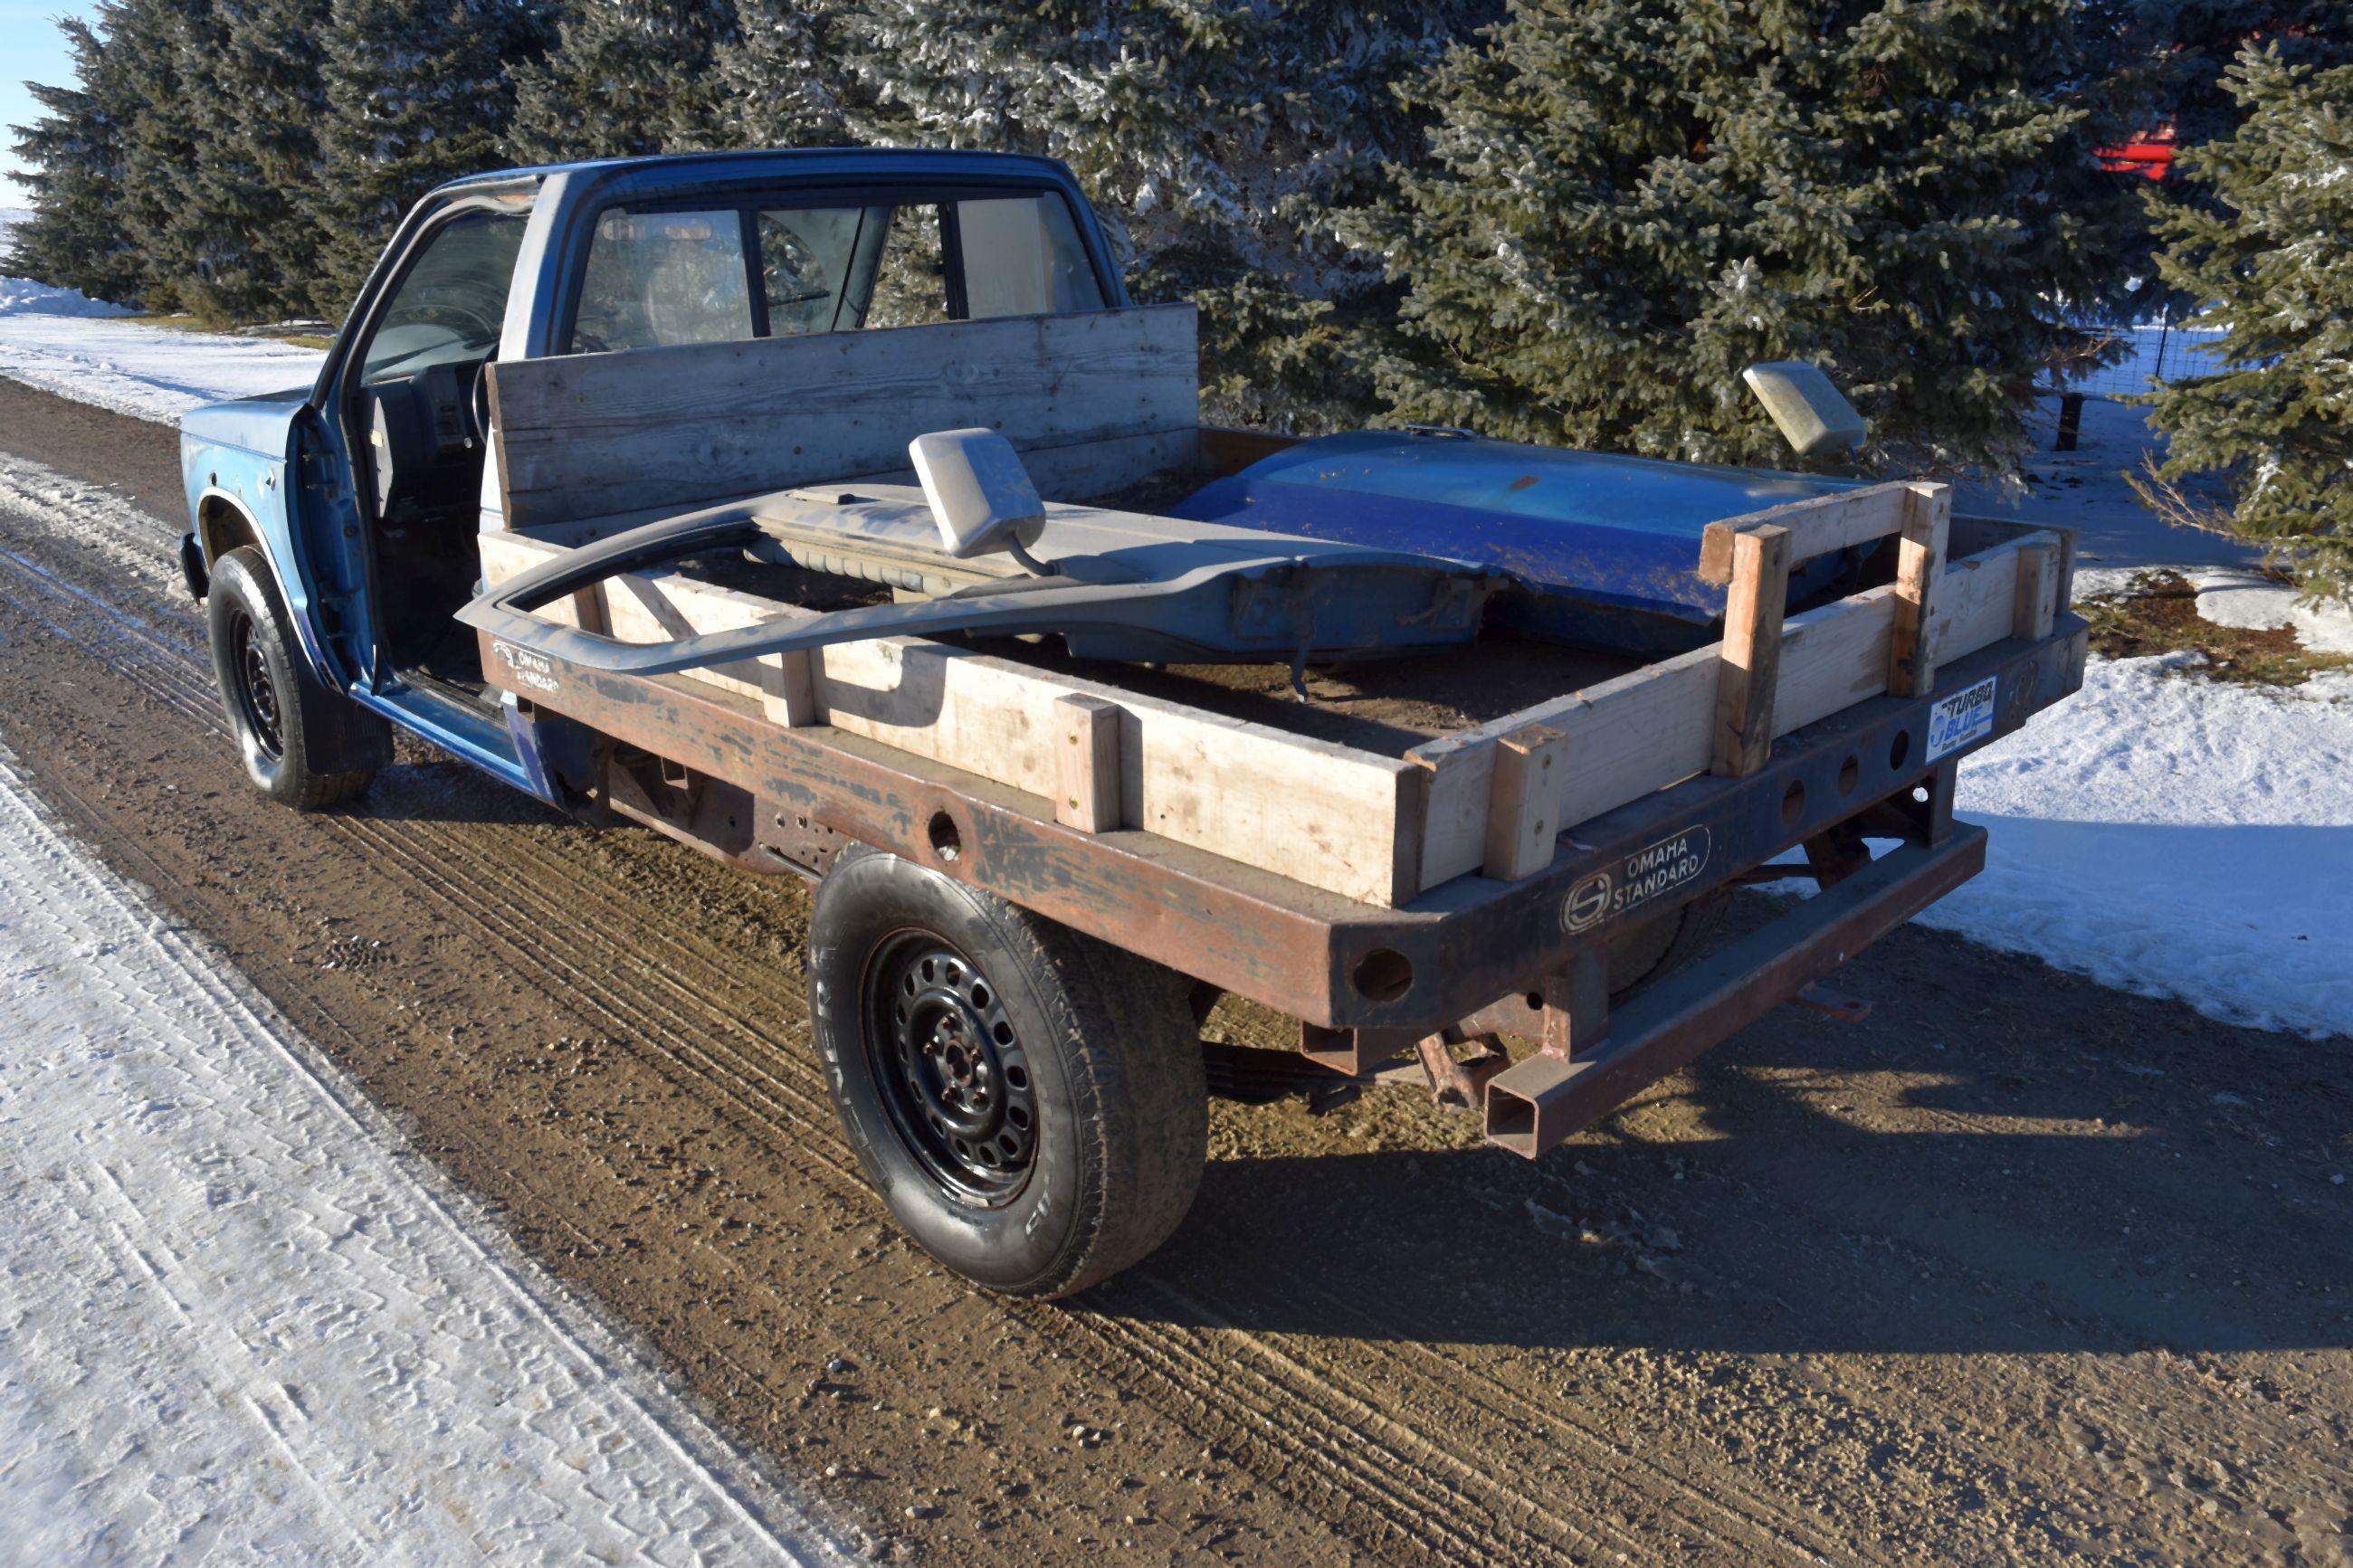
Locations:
(1325, 960)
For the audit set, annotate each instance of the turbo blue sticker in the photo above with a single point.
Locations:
(1967, 715)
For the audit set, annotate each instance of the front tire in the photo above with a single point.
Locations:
(305, 745)
(1029, 1103)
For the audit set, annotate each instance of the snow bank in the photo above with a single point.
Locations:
(23, 297)
(2175, 836)
(240, 1322)
(2252, 602)
(59, 341)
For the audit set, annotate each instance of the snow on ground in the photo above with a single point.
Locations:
(240, 1321)
(2250, 601)
(2175, 836)
(59, 341)
(2085, 489)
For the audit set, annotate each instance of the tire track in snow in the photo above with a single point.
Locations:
(281, 1294)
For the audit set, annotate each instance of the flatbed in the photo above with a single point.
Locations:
(1037, 872)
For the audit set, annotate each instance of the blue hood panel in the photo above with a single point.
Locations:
(1621, 534)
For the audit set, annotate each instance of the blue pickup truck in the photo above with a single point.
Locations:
(835, 512)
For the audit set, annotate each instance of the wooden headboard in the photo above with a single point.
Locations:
(1094, 401)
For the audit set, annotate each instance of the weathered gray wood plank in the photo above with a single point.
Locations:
(592, 434)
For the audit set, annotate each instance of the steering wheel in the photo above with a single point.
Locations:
(478, 404)
(464, 318)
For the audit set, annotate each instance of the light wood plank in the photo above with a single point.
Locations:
(789, 682)
(1656, 726)
(587, 435)
(1523, 812)
(1817, 526)
(1751, 665)
(1919, 567)
(2036, 607)
(1086, 774)
(1330, 816)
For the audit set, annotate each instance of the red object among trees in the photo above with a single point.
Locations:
(2150, 156)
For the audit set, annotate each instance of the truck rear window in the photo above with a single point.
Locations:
(655, 278)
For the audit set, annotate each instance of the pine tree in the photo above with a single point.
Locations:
(111, 159)
(2183, 47)
(243, 238)
(1627, 201)
(74, 154)
(418, 93)
(625, 77)
(2271, 256)
(778, 82)
(1213, 137)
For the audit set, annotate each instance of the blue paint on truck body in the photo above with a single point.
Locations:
(1621, 534)
(280, 470)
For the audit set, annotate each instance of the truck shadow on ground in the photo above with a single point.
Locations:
(2078, 1170)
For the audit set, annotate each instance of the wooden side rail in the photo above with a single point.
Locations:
(1717, 708)
(1333, 816)
(1754, 555)
(1382, 830)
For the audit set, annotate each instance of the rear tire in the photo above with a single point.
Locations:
(1658, 947)
(1029, 1103)
(305, 745)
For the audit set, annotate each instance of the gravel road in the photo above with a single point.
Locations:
(2019, 1270)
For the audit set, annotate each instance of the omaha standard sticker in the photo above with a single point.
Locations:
(1967, 715)
(1647, 874)
(535, 670)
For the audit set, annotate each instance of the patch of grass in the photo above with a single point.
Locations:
(191, 323)
(2159, 614)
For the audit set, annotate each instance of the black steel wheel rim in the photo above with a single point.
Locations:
(256, 693)
(950, 1069)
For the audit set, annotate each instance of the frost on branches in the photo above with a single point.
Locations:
(1214, 137)
(1627, 201)
(2270, 254)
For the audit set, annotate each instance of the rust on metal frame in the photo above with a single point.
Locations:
(1317, 956)
(1546, 1098)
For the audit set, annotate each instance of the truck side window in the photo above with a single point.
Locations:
(811, 259)
(661, 277)
(911, 284)
(451, 306)
(1022, 257)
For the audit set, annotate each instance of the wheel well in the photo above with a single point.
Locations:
(221, 527)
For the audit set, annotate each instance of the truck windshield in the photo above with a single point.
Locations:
(451, 305)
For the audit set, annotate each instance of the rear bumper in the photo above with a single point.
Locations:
(1534, 1104)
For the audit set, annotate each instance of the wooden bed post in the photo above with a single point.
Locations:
(788, 689)
(1919, 568)
(1524, 803)
(2037, 605)
(1750, 666)
(1086, 762)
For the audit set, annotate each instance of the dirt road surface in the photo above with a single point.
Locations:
(2019, 1270)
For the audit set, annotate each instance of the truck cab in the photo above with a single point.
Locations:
(365, 494)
